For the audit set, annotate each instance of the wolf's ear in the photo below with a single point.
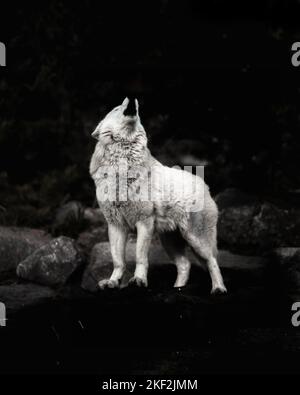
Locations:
(125, 102)
(136, 106)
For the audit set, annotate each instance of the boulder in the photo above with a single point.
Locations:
(161, 270)
(17, 243)
(69, 219)
(53, 263)
(94, 217)
(72, 218)
(95, 230)
(256, 227)
(286, 255)
(86, 240)
(100, 265)
(19, 296)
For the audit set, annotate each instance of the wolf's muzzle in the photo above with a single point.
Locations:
(131, 109)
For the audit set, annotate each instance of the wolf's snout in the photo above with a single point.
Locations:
(131, 109)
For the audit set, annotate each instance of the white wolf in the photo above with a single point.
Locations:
(174, 202)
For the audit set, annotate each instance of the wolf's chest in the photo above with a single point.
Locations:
(126, 213)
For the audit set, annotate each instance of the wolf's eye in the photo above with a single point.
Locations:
(106, 133)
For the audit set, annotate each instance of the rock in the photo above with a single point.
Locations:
(96, 231)
(69, 219)
(89, 238)
(235, 230)
(53, 263)
(19, 296)
(100, 266)
(94, 217)
(286, 255)
(253, 228)
(17, 243)
(161, 270)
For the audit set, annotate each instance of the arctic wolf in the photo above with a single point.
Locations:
(134, 190)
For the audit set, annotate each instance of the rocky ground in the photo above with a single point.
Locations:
(59, 321)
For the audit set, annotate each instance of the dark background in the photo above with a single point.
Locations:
(214, 80)
(216, 86)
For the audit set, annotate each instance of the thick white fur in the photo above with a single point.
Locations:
(179, 205)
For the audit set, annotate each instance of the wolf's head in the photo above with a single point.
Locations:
(122, 124)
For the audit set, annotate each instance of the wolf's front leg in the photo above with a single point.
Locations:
(144, 236)
(117, 239)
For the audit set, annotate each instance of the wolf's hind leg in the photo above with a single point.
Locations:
(145, 230)
(117, 239)
(175, 246)
(204, 248)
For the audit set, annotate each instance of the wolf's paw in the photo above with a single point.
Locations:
(179, 284)
(140, 282)
(219, 290)
(107, 283)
